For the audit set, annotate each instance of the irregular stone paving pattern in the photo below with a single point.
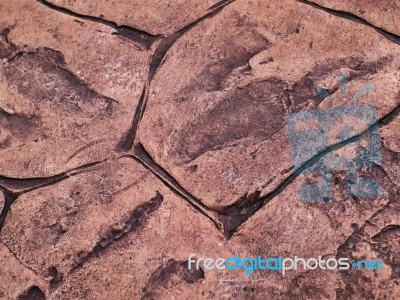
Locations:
(134, 133)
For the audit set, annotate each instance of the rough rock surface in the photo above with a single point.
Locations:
(134, 133)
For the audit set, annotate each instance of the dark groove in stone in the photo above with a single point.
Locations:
(349, 16)
(9, 199)
(12, 188)
(7, 48)
(220, 4)
(20, 186)
(126, 142)
(4, 33)
(141, 38)
(387, 229)
(134, 223)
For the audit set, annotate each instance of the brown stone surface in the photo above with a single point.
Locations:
(134, 133)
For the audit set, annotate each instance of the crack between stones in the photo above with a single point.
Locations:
(349, 16)
(143, 157)
(12, 188)
(20, 186)
(127, 140)
(157, 59)
(142, 39)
